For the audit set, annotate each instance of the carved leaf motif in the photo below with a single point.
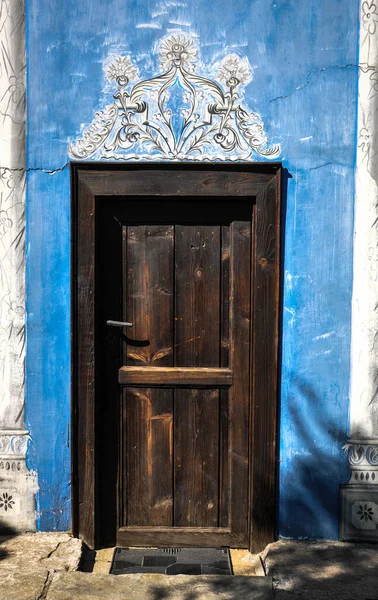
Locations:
(96, 134)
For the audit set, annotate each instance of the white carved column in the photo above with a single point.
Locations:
(359, 498)
(17, 484)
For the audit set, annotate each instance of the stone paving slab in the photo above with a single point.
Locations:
(28, 561)
(91, 586)
(53, 551)
(322, 571)
(25, 585)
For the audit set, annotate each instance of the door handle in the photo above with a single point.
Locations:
(118, 324)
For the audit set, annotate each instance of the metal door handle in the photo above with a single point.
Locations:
(119, 324)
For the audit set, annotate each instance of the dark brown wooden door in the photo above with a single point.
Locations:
(175, 424)
(185, 403)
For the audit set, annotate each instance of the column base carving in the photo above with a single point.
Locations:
(359, 497)
(18, 485)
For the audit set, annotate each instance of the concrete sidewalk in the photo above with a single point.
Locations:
(45, 567)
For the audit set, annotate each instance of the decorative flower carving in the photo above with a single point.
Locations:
(234, 70)
(366, 513)
(6, 177)
(16, 89)
(370, 16)
(373, 258)
(374, 79)
(16, 313)
(364, 140)
(5, 222)
(6, 501)
(6, 349)
(121, 70)
(178, 50)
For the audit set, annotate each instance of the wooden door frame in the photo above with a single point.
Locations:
(261, 182)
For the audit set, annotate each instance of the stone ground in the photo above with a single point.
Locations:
(45, 566)
(322, 571)
(29, 562)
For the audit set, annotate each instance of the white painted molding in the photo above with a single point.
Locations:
(363, 461)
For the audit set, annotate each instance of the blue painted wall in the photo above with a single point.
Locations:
(305, 88)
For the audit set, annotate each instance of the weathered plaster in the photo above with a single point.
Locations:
(359, 519)
(17, 484)
(304, 88)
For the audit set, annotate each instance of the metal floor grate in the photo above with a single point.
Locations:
(172, 561)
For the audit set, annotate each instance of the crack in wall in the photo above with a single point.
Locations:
(40, 169)
(364, 67)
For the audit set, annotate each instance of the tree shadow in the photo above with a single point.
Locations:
(322, 570)
(229, 588)
(7, 532)
(309, 491)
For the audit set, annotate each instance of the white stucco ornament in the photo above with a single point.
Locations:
(179, 114)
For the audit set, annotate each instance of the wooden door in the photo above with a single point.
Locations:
(177, 431)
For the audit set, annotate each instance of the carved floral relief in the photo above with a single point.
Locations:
(178, 114)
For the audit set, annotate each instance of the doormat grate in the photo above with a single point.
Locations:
(172, 561)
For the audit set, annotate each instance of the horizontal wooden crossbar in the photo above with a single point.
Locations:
(179, 536)
(175, 376)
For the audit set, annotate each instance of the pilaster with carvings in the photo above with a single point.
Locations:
(18, 485)
(359, 497)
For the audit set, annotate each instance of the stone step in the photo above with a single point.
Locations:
(91, 586)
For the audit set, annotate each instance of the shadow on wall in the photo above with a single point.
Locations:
(309, 486)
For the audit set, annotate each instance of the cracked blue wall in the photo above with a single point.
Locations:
(305, 88)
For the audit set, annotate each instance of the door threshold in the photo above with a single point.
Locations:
(172, 561)
(243, 562)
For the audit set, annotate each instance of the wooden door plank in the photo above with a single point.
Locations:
(224, 471)
(264, 375)
(197, 344)
(240, 312)
(175, 376)
(149, 297)
(196, 431)
(84, 374)
(108, 360)
(197, 290)
(147, 485)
